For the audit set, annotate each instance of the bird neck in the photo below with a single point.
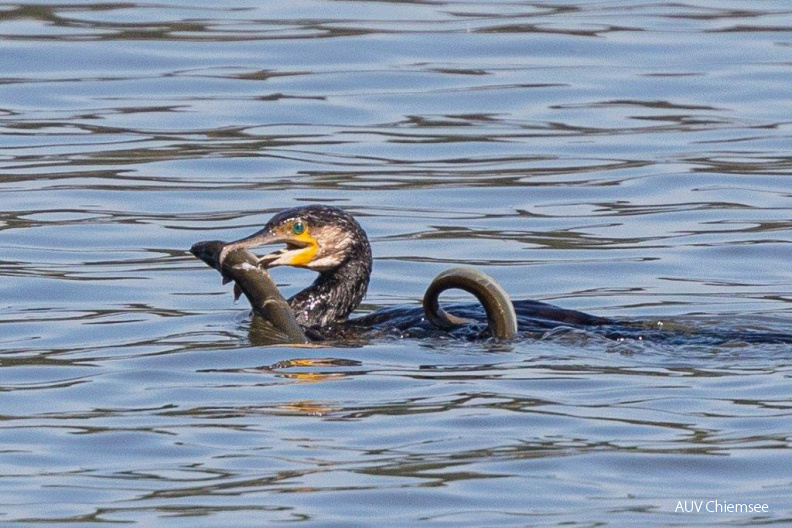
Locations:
(334, 294)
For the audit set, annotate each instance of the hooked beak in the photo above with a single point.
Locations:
(280, 257)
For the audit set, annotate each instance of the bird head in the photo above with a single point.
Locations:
(317, 237)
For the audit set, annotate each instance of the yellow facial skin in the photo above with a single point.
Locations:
(302, 257)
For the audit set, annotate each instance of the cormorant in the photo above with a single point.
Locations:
(330, 241)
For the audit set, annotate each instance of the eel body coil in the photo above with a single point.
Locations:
(501, 316)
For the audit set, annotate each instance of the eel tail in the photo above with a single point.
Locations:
(501, 316)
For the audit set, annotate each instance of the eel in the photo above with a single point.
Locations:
(278, 325)
(500, 312)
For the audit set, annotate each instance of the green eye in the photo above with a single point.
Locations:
(298, 228)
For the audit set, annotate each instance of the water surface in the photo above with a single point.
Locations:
(625, 158)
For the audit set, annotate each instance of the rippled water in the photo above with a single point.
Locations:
(631, 159)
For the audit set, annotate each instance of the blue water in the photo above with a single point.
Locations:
(629, 159)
